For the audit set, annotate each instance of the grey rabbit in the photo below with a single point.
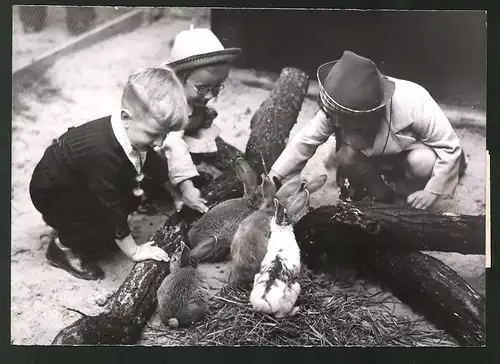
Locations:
(183, 295)
(250, 242)
(216, 227)
(249, 245)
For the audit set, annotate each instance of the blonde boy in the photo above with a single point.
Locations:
(89, 180)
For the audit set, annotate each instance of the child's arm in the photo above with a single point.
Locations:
(181, 170)
(435, 130)
(142, 252)
(103, 178)
(303, 146)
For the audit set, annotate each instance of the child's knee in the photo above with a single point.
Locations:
(419, 163)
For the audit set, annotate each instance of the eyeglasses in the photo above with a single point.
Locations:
(203, 90)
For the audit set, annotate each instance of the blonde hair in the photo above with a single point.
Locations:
(158, 93)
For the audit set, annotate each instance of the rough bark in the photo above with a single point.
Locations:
(372, 225)
(385, 240)
(274, 120)
(135, 300)
(431, 288)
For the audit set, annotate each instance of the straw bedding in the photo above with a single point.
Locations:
(328, 317)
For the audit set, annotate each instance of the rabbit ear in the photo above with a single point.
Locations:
(244, 171)
(204, 248)
(279, 213)
(277, 183)
(316, 183)
(268, 190)
(185, 255)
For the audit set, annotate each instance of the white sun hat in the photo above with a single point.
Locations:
(198, 47)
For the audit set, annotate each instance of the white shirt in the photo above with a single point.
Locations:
(134, 156)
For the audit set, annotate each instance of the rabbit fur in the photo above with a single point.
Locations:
(183, 295)
(250, 241)
(249, 244)
(275, 288)
(218, 226)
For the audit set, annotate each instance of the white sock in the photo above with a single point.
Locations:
(59, 244)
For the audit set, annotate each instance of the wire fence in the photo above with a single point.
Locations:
(78, 19)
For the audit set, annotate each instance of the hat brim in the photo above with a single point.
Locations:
(224, 56)
(332, 105)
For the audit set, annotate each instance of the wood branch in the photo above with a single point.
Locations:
(384, 240)
(392, 228)
(433, 289)
(274, 120)
(135, 300)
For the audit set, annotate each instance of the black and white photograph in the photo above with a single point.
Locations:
(187, 176)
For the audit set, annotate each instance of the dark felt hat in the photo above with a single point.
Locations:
(353, 85)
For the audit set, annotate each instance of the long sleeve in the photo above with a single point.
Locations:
(434, 129)
(104, 180)
(303, 146)
(180, 164)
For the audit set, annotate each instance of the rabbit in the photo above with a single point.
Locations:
(275, 288)
(249, 244)
(183, 295)
(294, 195)
(217, 226)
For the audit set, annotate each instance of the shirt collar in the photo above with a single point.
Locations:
(120, 132)
(121, 135)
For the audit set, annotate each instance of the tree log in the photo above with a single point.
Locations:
(384, 240)
(135, 300)
(365, 225)
(431, 288)
(274, 120)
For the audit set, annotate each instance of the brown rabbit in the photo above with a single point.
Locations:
(183, 295)
(250, 241)
(249, 245)
(295, 195)
(214, 231)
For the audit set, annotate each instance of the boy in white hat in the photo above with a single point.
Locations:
(385, 128)
(202, 64)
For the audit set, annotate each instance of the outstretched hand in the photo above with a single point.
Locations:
(148, 251)
(192, 198)
(421, 199)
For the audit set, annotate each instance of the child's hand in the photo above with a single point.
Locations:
(421, 199)
(191, 196)
(147, 251)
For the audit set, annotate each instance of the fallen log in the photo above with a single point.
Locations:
(392, 228)
(384, 240)
(134, 302)
(431, 288)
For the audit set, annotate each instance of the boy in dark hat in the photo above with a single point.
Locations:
(90, 179)
(386, 129)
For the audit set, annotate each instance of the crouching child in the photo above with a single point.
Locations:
(89, 179)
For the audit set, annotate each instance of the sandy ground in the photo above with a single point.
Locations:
(86, 85)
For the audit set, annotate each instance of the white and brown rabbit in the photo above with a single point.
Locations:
(183, 295)
(275, 287)
(217, 227)
(249, 244)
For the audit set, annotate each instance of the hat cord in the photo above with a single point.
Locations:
(389, 129)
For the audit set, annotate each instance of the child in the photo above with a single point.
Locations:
(383, 126)
(89, 180)
(202, 64)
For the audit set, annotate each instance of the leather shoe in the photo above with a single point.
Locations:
(73, 263)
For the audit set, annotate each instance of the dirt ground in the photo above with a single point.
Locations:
(86, 85)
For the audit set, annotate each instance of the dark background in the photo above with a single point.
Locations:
(444, 51)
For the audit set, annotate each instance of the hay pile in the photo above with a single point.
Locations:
(326, 319)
